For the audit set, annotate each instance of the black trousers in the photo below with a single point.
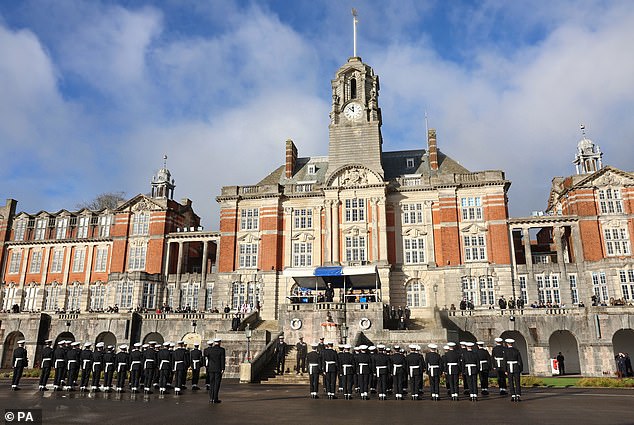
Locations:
(122, 374)
(164, 379)
(214, 385)
(279, 365)
(85, 377)
(414, 381)
(484, 379)
(330, 382)
(453, 383)
(398, 383)
(472, 380)
(301, 364)
(195, 376)
(108, 375)
(96, 375)
(135, 377)
(17, 374)
(514, 383)
(501, 378)
(180, 378)
(434, 383)
(73, 373)
(45, 373)
(314, 382)
(381, 384)
(207, 376)
(59, 376)
(347, 383)
(148, 378)
(364, 382)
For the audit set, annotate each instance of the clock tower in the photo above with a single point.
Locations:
(355, 118)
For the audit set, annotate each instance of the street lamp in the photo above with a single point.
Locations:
(194, 324)
(248, 333)
(435, 288)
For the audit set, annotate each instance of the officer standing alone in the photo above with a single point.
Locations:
(20, 361)
(216, 367)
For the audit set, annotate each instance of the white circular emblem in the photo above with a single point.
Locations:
(365, 323)
(296, 324)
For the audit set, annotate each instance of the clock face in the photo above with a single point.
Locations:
(353, 111)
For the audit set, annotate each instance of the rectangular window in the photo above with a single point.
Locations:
(412, 213)
(302, 254)
(475, 247)
(52, 297)
(102, 259)
(627, 284)
(82, 227)
(124, 293)
(574, 291)
(487, 293)
(105, 221)
(312, 168)
(148, 300)
(74, 297)
(355, 210)
(79, 259)
(137, 257)
(19, 230)
(303, 218)
(141, 224)
(61, 228)
(355, 248)
(58, 260)
(98, 297)
(610, 201)
(16, 259)
(548, 289)
(40, 229)
(189, 295)
(471, 208)
(409, 162)
(249, 219)
(600, 286)
(523, 289)
(617, 241)
(414, 250)
(36, 262)
(470, 289)
(248, 255)
(209, 298)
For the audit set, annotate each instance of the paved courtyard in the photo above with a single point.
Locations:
(278, 404)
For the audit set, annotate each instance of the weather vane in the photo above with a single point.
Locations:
(164, 161)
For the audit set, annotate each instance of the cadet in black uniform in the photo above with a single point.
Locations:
(471, 369)
(19, 362)
(415, 366)
(85, 361)
(123, 365)
(196, 358)
(302, 350)
(514, 367)
(398, 372)
(216, 367)
(149, 367)
(363, 366)
(47, 363)
(136, 366)
(435, 368)
(314, 370)
(452, 369)
(179, 357)
(205, 353)
(382, 369)
(97, 366)
(164, 358)
(329, 366)
(372, 378)
(109, 360)
(280, 355)
(498, 363)
(72, 365)
(484, 359)
(59, 363)
(346, 366)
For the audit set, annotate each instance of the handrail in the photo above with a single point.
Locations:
(250, 371)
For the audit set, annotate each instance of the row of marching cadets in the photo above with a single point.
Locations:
(384, 370)
(147, 366)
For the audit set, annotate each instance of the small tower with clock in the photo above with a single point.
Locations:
(355, 118)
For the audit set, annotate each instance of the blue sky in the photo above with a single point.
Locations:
(94, 93)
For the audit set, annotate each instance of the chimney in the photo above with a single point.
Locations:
(432, 149)
(291, 158)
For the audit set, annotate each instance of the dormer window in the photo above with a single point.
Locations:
(409, 162)
(312, 169)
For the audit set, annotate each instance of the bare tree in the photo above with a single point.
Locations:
(108, 200)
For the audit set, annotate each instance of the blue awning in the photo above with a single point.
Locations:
(328, 271)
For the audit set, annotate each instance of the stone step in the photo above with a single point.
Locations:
(268, 325)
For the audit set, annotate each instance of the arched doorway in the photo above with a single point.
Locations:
(623, 341)
(565, 342)
(107, 338)
(520, 344)
(67, 336)
(10, 343)
(154, 336)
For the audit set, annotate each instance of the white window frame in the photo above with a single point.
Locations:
(30, 297)
(82, 226)
(416, 294)
(16, 260)
(57, 262)
(125, 291)
(600, 286)
(617, 241)
(413, 213)
(73, 301)
(101, 259)
(209, 297)
(98, 296)
(610, 201)
(105, 221)
(149, 296)
(523, 289)
(190, 292)
(19, 230)
(627, 284)
(414, 250)
(487, 290)
(137, 257)
(475, 248)
(548, 288)
(248, 255)
(303, 218)
(141, 224)
(36, 262)
(471, 207)
(249, 219)
(470, 289)
(52, 294)
(356, 248)
(354, 210)
(79, 259)
(302, 254)
(61, 228)
(10, 297)
(574, 288)
(245, 292)
(40, 229)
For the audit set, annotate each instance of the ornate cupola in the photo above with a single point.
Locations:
(588, 157)
(355, 118)
(163, 183)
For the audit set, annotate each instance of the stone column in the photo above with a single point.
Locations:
(335, 232)
(328, 246)
(288, 237)
(382, 230)
(179, 264)
(25, 261)
(203, 266)
(375, 231)
(167, 260)
(526, 241)
(89, 254)
(429, 228)
(69, 251)
(318, 257)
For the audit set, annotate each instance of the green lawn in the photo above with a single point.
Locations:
(560, 382)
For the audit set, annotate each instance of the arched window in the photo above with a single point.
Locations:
(416, 296)
(353, 88)
(470, 289)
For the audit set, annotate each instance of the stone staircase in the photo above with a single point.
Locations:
(289, 377)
